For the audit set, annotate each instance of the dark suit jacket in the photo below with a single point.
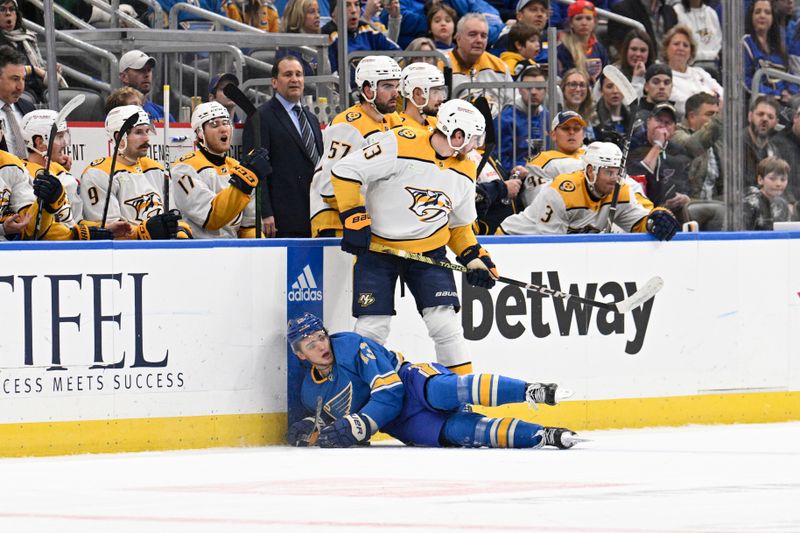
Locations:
(286, 195)
(24, 107)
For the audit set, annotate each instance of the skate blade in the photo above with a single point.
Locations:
(572, 440)
(563, 394)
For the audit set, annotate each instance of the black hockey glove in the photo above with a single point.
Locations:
(300, 432)
(49, 190)
(662, 224)
(243, 179)
(482, 270)
(160, 227)
(357, 230)
(348, 431)
(85, 232)
(257, 161)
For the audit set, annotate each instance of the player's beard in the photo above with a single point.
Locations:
(384, 108)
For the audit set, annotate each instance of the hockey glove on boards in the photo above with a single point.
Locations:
(482, 270)
(662, 224)
(160, 227)
(357, 230)
(300, 432)
(49, 190)
(85, 232)
(348, 431)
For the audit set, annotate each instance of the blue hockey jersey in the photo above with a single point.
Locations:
(364, 380)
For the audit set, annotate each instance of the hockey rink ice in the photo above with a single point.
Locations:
(715, 479)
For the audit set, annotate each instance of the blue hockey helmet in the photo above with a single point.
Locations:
(301, 327)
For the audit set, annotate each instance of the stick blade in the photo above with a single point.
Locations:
(641, 296)
(628, 92)
(69, 107)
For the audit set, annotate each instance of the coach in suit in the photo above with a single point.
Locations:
(291, 135)
(12, 108)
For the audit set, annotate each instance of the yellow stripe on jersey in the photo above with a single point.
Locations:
(360, 120)
(502, 434)
(325, 220)
(225, 207)
(573, 190)
(550, 155)
(415, 144)
(486, 61)
(386, 381)
(426, 369)
(461, 369)
(461, 238)
(484, 390)
(348, 193)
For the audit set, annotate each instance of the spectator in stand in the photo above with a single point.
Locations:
(471, 62)
(421, 44)
(658, 18)
(523, 125)
(764, 48)
(761, 122)
(373, 9)
(300, 16)
(580, 48)
(612, 118)
(700, 134)
(136, 70)
(636, 56)
(216, 87)
(14, 35)
(361, 35)
(657, 89)
(678, 51)
(123, 96)
(577, 97)
(764, 205)
(534, 13)
(256, 13)
(442, 26)
(415, 22)
(664, 164)
(784, 13)
(524, 44)
(703, 22)
(787, 144)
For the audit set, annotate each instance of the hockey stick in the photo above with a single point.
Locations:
(240, 99)
(314, 435)
(61, 117)
(165, 150)
(123, 131)
(634, 300)
(628, 98)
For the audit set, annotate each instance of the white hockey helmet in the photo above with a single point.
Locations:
(459, 114)
(39, 122)
(423, 76)
(205, 112)
(117, 117)
(373, 69)
(599, 155)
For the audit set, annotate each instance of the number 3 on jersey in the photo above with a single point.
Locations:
(371, 150)
(547, 214)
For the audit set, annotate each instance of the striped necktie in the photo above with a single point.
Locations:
(17, 144)
(308, 136)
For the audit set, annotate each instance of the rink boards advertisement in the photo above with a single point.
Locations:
(131, 346)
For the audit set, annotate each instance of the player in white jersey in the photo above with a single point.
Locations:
(378, 80)
(215, 192)
(418, 196)
(423, 89)
(138, 182)
(579, 202)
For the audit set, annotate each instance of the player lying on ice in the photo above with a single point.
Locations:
(365, 387)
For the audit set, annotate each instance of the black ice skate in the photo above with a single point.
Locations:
(559, 437)
(546, 393)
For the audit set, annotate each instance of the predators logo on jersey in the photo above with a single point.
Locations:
(5, 201)
(567, 186)
(407, 133)
(430, 205)
(144, 204)
(352, 116)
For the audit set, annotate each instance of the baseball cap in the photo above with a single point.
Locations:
(522, 3)
(581, 7)
(655, 69)
(135, 59)
(216, 80)
(566, 116)
(664, 107)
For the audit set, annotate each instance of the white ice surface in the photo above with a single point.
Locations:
(713, 479)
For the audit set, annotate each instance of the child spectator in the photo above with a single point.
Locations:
(524, 43)
(442, 26)
(764, 205)
(580, 48)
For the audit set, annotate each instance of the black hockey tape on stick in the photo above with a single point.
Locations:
(123, 131)
(312, 438)
(635, 300)
(68, 108)
(240, 99)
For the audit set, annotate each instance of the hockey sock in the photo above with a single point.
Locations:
(472, 430)
(448, 392)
